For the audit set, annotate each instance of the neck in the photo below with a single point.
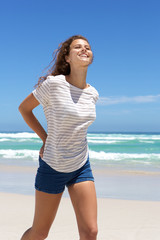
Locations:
(78, 77)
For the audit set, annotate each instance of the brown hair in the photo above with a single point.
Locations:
(60, 66)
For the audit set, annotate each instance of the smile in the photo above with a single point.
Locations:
(83, 55)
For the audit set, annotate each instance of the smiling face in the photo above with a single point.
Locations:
(80, 53)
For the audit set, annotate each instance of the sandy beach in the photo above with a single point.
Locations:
(128, 194)
(117, 219)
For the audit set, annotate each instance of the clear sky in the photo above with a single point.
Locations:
(125, 39)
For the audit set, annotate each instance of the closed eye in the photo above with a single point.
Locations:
(79, 46)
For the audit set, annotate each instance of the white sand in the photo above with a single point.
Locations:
(117, 219)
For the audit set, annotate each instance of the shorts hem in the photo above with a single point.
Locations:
(80, 180)
(48, 191)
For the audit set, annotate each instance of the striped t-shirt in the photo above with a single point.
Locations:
(69, 111)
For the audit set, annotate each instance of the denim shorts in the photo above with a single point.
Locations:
(49, 180)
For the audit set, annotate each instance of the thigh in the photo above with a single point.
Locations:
(46, 206)
(84, 200)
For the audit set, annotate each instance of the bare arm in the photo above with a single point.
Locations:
(25, 109)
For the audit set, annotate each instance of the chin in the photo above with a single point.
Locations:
(85, 63)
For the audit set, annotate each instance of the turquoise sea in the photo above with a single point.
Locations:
(135, 154)
(127, 150)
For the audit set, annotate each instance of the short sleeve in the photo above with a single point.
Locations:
(42, 92)
(95, 95)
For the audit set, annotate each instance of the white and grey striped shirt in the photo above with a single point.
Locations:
(69, 111)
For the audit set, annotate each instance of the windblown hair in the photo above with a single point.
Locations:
(59, 64)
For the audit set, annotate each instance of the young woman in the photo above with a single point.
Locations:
(69, 106)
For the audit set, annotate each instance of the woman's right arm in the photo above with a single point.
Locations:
(25, 109)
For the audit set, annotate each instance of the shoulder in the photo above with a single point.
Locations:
(94, 90)
(94, 93)
(49, 82)
(55, 79)
(56, 82)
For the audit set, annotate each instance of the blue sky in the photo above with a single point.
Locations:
(125, 37)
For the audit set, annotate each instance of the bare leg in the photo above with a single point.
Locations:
(83, 196)
(45, 211)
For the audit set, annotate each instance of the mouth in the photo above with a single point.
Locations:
(84, 55)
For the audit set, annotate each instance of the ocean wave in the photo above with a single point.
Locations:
(4, 140)
(123, 156)
(102, 141)
(131, 157)
(150, 138)
(22, 153)
(142, 141)
(37, 140)
(18, 140)
(122, 137)
(18, 135)
(92, 138)
(110, 138)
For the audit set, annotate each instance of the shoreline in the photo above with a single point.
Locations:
(111, 183)
(117, 219)
(99, 170)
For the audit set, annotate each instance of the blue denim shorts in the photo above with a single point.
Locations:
(51, 181)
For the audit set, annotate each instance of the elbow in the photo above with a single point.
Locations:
(20, 108)
(23, 109)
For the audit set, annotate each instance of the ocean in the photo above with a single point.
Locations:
(126, 150)
(135, 154)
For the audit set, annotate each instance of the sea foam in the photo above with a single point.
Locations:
(22, 153)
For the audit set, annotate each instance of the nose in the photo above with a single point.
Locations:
(83, 49)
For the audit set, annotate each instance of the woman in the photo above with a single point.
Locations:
(69, 106)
